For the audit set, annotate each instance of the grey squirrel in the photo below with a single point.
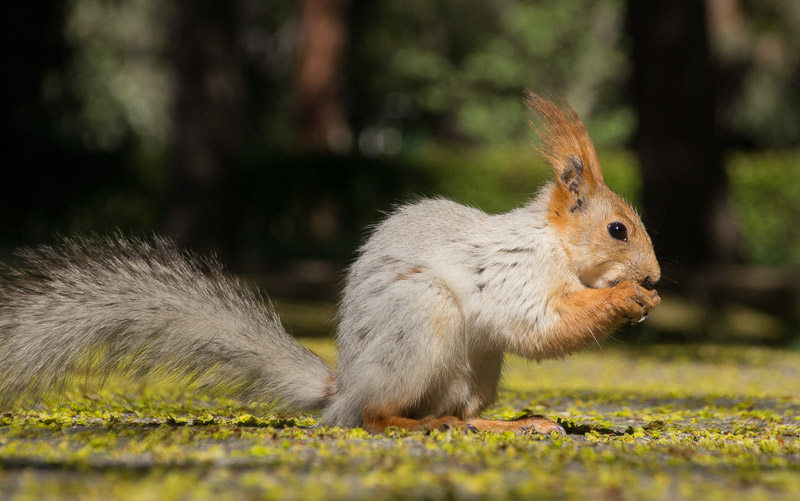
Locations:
(439, 292)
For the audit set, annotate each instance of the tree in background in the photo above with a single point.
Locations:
(685, 192)
(323, 34)
(210, 97)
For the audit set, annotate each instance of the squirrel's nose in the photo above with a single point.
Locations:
(647, 283)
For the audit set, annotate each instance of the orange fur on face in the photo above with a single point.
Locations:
(581, 206)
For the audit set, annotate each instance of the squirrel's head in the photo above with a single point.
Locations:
(603, 237)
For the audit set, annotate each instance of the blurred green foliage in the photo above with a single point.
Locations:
(433, 93)
(755, 46)
(425, 70)
(501, 178)
(766, 194)
(119, 80)
(464, 66)
(319, 206)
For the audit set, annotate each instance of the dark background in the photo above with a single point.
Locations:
(274, 133)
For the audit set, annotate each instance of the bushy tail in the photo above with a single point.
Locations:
(148, 307)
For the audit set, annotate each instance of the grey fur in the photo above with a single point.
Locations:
(415, 275)
(141, 306)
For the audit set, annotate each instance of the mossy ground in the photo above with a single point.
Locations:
(696, 422)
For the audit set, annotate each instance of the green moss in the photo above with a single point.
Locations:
(701, 422)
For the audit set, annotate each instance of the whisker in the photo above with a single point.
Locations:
(596, 341)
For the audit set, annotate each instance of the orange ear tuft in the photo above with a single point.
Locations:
(563, 137)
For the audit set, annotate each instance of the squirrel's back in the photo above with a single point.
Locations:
(437, 283)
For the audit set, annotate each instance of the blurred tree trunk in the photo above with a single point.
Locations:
(31, 47)
(685, 192)
(209, 106)
(321, 123)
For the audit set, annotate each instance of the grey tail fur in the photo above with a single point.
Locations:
(105, 304)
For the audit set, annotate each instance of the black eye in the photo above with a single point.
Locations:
(618, 230)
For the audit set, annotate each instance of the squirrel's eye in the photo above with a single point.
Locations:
(618, 230)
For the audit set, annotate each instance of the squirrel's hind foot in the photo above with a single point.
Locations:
(377, 423)
(522, 426)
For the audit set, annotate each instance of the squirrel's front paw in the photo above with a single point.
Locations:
(634, 302)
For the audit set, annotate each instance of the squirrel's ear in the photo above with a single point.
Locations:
(571, 177)
(566, 145)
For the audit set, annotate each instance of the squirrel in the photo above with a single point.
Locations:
(437, 295)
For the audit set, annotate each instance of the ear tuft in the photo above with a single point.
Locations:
(565, 144)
